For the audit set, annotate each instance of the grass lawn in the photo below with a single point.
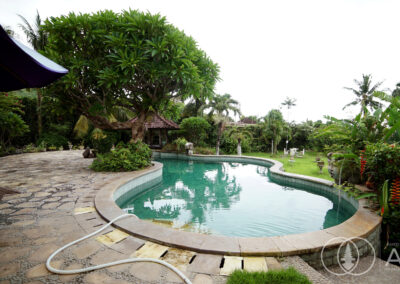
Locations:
(287, 276)
(304, 166)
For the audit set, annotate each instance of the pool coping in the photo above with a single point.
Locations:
(361, 224)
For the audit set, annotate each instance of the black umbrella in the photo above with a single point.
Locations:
(22, 67)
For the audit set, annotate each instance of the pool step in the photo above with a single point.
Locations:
(205, 263)
(150, 250)
(189, 261)
(112, 237)
(230, 264)
(255, 264)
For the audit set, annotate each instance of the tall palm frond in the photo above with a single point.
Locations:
(219, 108)
(364, 94)
(289, 102)
(35, 35)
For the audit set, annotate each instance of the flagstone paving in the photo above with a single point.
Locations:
(54, 206)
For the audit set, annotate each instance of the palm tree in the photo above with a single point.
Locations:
(38, 39)
(35, 35)
(220, 106)
(274, 128)
(289, 103)
(239, 135)
(365, 95)
(396, 92)
(9, 31)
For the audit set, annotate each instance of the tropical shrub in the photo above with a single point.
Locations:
(103, 140)
(204, 151)
(30, 148)
(195, 129)
(180, 144)
(52, 139)
(11, 123)
(130, 157)
(382, 162)
(229, 144)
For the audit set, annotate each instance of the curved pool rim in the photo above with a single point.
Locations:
(362, 224)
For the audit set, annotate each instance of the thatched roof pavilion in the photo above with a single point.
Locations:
(157, 128)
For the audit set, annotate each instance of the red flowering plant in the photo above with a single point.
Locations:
(382, 163)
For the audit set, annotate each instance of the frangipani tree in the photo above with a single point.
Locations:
(219, 107)
(134, 60)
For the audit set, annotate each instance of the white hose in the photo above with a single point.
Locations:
(128, 260)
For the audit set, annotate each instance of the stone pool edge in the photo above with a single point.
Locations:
(363, 224)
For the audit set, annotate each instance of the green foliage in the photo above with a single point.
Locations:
(130, 157)
(196, 129)
(131, 59)
(230, 142)
(56, 135)
(103, 140)
(301, 134)
(11, 123)
(30, 148)
(180, 144)
(53, 139)
(351, 136)
(284, 276)
(383, 162)
(364, 95)
(204, 151)
(219, 108)
(274, 127)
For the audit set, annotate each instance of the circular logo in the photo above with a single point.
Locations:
(347, 255)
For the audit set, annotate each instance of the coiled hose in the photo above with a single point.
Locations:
(128, 260)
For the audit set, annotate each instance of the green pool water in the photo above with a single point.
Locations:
(233, 199)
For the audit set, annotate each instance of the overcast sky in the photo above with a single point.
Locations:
(268, 50)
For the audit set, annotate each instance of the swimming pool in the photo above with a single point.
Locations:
(233, 199)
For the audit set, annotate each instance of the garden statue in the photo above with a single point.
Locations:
(189, 148)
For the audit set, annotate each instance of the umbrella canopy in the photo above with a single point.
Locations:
(22, 67)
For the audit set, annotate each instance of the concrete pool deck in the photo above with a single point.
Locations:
(55, 206)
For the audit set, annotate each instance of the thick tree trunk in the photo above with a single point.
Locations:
(239, 147)
(139, 128)
(219, 134)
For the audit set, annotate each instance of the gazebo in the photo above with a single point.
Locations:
(157, 128)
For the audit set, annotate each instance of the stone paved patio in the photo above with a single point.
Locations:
(41, 218)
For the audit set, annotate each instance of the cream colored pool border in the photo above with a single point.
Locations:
(363, 224)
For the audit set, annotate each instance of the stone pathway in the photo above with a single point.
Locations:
(55, 206)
